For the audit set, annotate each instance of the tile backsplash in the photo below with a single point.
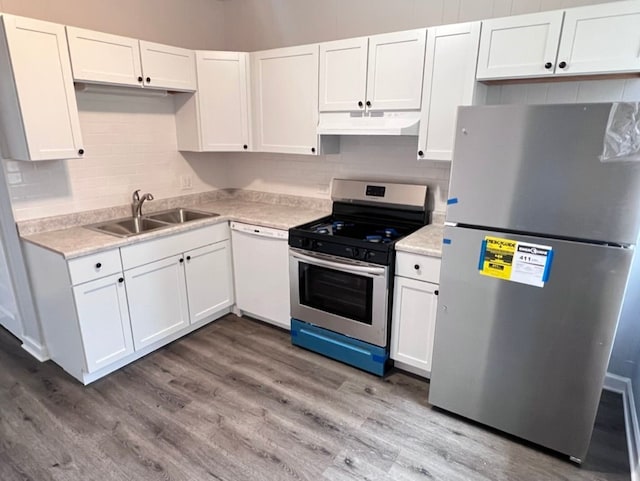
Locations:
(130, 143)
(364, 157)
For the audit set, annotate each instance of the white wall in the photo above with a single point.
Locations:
(130, 143)
(263, 24)
(184, 23)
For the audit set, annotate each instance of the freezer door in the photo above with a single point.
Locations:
(536, 169)
(527, 360)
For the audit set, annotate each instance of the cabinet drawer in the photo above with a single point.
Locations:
(145, 252)
(95, 266)
(415, 266)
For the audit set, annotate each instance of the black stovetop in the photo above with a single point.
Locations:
(365, 233)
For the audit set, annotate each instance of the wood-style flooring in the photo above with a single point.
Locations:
(236, 401)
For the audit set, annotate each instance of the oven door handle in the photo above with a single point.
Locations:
(375, 271)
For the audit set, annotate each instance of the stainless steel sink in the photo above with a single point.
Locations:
(131, 226)
(180, 216)
(128, 227)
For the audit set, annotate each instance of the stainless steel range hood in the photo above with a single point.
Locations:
(369, 123)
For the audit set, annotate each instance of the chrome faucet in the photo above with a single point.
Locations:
(137, 201)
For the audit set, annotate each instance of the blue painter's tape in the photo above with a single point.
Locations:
(453, 200)
(483, 248)
(547, 268)
(373, 359)
(446, 241)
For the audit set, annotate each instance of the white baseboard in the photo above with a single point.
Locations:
(35, 349)
(623, 386)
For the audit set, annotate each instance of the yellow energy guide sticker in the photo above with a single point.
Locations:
(496, 259)
(515, 261)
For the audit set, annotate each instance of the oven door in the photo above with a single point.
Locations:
(339, 294)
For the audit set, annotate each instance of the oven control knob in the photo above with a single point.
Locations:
(370, 255)
(313, 244)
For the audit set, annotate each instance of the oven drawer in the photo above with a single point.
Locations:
(419, 267)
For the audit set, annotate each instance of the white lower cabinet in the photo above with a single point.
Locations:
(209, 293)
(103, 317)
(157, 300)
(415, 304)
(102, 311)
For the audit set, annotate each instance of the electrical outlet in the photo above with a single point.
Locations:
(323, 189)
(14, 178)
(186, 182)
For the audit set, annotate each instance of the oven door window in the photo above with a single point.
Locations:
(340, 293)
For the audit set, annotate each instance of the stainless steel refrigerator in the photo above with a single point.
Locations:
(543, 218)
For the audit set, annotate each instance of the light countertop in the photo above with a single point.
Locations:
(74, 242)
(426, 241)
(78, 241)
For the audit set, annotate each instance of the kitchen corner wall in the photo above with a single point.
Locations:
(130, 140)
(130, 143)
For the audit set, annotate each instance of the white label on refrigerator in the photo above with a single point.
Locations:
(531, 264)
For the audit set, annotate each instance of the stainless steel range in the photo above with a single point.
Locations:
(341, 270)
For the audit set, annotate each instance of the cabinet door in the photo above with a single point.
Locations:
(157, 296)
(209, 280)
(285, 92)
(166, 67)
(39, 113)
(343, 75)
(449, 81)
(396, 64)
(103, 316)
(600, 39)
(104, 58)
(519, 46)
(222, 100)
(414, 319)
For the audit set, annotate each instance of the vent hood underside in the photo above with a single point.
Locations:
(369, 123)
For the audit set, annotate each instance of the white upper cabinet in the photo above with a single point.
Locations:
(216, 117)
(394, 77)
(519, 46)
(104, 58)
(39, 113)
(285, 96)
(597, 39)
(111, 59)
(449, 81)
(343, 75)
(166, 67)
(600, 39)
(381, 72)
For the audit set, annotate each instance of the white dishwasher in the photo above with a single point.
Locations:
(261, 268)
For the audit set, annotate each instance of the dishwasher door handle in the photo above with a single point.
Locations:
(259, 232)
